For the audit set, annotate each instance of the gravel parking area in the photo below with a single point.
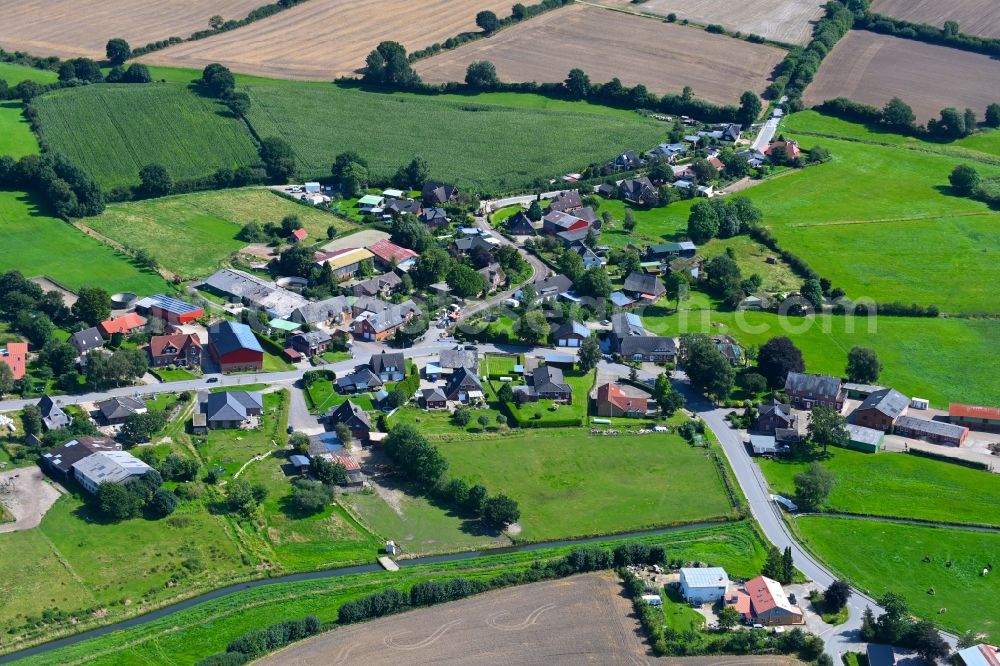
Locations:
(33, 495)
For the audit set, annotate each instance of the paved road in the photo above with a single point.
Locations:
(766, 133)
(490, 205)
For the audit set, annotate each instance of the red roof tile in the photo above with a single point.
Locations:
(15, 356)
(973, 411)
(300, 234)
(158, 343)
(124, 324)
(388, 251)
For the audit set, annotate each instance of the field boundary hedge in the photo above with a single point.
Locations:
(929, 34)
(972, 464)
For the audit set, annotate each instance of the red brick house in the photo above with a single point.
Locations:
(620, 400)
(234, 347)
(170, 309)
(178, 349)
(881, 409)
(125, 324)
(807, 391)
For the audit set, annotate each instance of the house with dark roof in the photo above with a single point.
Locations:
(565, 202)
(114, 411)
(434, 217)
(807, 391)
(87, 340)
(938, 432)
(648, 349)
(330, 311)
(547, 382)
(881, 409)
(434, 398)
(606, 190)
(380, 285)
(643, 286)
(382, 324)
(622, 400)
(230, 409)
(362, 379)
(519, 224)
(590, 258)
(575, 238)
(397, 207)
(550, 288)
(668, 151)
(558, 221)
(627, 161)
(352, 416)
(235, 347)
(463, 386)
(53, 417)
(60, 460)
(620, 300)
(773, 415)
(311, 343)
(450, 360)
(494, 276)
(390, 367)
(639, 191)
(438, 194)
(731, 132)
(182, 349)
(570, 334)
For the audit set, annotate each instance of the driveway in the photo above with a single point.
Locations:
(299, 417)
(32, 496)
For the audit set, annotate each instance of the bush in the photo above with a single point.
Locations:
(377, 604)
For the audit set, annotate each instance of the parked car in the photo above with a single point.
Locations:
(211, 380)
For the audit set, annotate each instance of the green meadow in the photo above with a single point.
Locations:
(16, 137)
(14, 74)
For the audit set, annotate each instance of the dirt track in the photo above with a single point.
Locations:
(324, 39)
(71, 28)
(975, 17)
(789, 21)
(872, 68)
(607, 44)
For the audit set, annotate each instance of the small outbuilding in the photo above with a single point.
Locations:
(704, 586)
(866, 440)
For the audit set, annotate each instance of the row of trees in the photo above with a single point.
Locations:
(722, 218)
(899, 117)
(949, 34)
(258, 642)
(70, 191)
(120, 501)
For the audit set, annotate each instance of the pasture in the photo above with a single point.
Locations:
(546, 48)
(882, 557)
(71, 28)
(192, 234)
(67, 256)
(325, 39)
(872, 68)
(668, 481)
(14, 74)
(974, 17)
(112, 131)
(16, 137)
(944, 360)
(789, 22)
(900, 486)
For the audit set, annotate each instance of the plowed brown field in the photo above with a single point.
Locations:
(606, 44)
(872, 68)
(975, 17)
(324, 39)
(72, 28)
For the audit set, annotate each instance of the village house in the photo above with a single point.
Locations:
(807, 391)
(108, 467)
(15, 357)
(390, 256)
(231, 409)
(704, 586)
(352, 416)
(975, 417)
(434, 398)
(434, 217)
(169, 309)
(380, 285)
(570, 334)
(668, 151)
(328, 312)
(311, 343)
(730, 349)
(770, 604)
(383, 324)
(87, 340)
(235, 347)
(558, 221)
(183, 349)
(937, 432)
(881, 409)
(791, 148)
(344, 262)
(549, 289)
(398, 206)
(362, 379)
(494, 276)
(519, 224)
(731, 133)
(438, 194)
(620, 300)
(638, 191)
(590, 258)
(622, 400)
(774, 414)
(60, 460)
(464, 387)
(476, 244)
(53, 417)
(648, 349)
(126, 324)
(644, 287)
(450, 360)
(565, 202)
(298, 235)
(627, 161)
(114, 411)
(390, 367)
(547, 383)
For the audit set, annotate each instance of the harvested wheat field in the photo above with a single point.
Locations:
(975, 17)
(872, 68)
(324, 39)
(607, 44)
(73, 28)
(787, 21)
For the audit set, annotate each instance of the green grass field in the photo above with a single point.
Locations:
(191, 234)
(581, 383)
(899, 485)
(14, 74)
(574, 484)
(112, 131)
(882, 557)
(16, 137)
(940, 359)
(66, 255)
(231, 448)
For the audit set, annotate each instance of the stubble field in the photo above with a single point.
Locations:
(790, 21)
(325, 39)
(975, 17)
(70, 28)
(872, 68)
(607, 44)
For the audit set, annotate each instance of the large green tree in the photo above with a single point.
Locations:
(813, 486)
(117, 51)
(590, 353)
(863, 365)
(92, 306)
(776, 358)
(708, 370)
(827, 427)
(482, 75)
(278, 158)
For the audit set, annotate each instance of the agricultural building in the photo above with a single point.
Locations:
(770, 604)
(704, 586)
(975, 417)
(763, 445)
(235, 347)
(170, 309)
(937, 432)
(60, 460)
(15, 357)
(881, 409)
(866, 440)
(108, 467)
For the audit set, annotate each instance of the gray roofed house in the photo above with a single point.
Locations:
(467, 244)
(494, 276)
(590, 258)
(435, 194)
(606, 190)
(627, 160)
(434, 216)
(638, 191)
(452, 359)
(575, 237)
(587, 214)
(648, 348)
(620, 300)
(328, 310)
(731, 132)
(108, 467)
(53, 417)
(362, 379)
(565, 201)
(550, 288)
(549, 383)
(389, 367)
(520, 224)
(464, 386)
(401, 206)
(116, 410)
(763, 445)
(230, 409)
(434, 398)
(87, 340)
(809, 390)
(626, 324)
(644, 285)
(380, 285)
(353, 417)
(881, 409)
(311, 342)
(668, 151)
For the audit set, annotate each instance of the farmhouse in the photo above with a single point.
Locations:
(311, 343)
(770, 604)
(570, 334)
(866, 440)
(807, 391)
(881, 409)
(388, 367)
(362, 379)
(434, 217)
(355, 418)
(15, 357)
(790, 147)
(644, 287)
(463, 386)
(53, 417)
(622, 400)
(704, 586)
(391, 256)
(231, 409)
(520, 224)
(558, 221)
(639, 191)
(179, 349)
(127, 323)
(434, 398)
(108, 467)
(235, 347)
(344, 262)
(87, 340)
(169, 309)
(60, 460)
(380, 285)
(774, 414)
(975, 417)
(937, 432)
(438, 194)
(450, 360)
(335, 310)
(547, 383)
(116, 410)
(252, 290)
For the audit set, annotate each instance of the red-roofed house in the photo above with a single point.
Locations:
(975, 417)
(299, 235)
(15, 356)
(618, 400)
(391, 255)
(740, 600)
(125, 324)
(770, 604)
(791, 148)
(179, 349)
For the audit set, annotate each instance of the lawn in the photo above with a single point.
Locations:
(678, 614)
(900, 485)
(175, 375)
(751, 257)
(67, 255)
(192, 234)
(566, 487)
(437, 424)
(943, 360)
(324, 397)
(502, 364)
(230, 449)
(527, 413)
(14, 74)
(911, 560)
(16, 137)
(193, 633)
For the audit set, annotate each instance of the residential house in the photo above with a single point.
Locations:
(625, 325)
(434, 398)
(434, 217)
(298, 235)
(639, 191)
(450, 360)
(389, 367)
(754, 157)
(770, 604)
(391, 256)
(396, 207)
(791, 148)
(664, 251)
(60, 460)
(570, 334)
(362, 379)
(126, 324)
(938, 432)
(627, 161)
(704, 585)
(731, 132)
(648, 349)
(615, 399)
(235, 347)
(565, 202)
(644, 287)
(438, 194)
(730, 349)
(975, 417)
(352, 416)
(182, 349)
(328, 312)
(53, 417)
(668, 151)
(606, 190)
(169, 309)
(763, 445)
(371, 203)
(118, 467)
(550, 288)
(494, 276)
(114, 411)
(231, 409)
(463, 386)
(807, 391)
(520, 224)
(15, 357)
(590, 258)
(344, 262)
(380, 285)
(866, 440)
(311, 343)
(774, 414)
(881, 409)
(381, 325)
(547, 383)
(87, 340)
(558, 221)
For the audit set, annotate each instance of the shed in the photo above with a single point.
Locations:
(866, 440)
(300, 463)
(763, 445)
(880, 655)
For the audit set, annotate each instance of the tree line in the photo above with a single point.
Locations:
(258, 642)
(950, 34)
(898, 117)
